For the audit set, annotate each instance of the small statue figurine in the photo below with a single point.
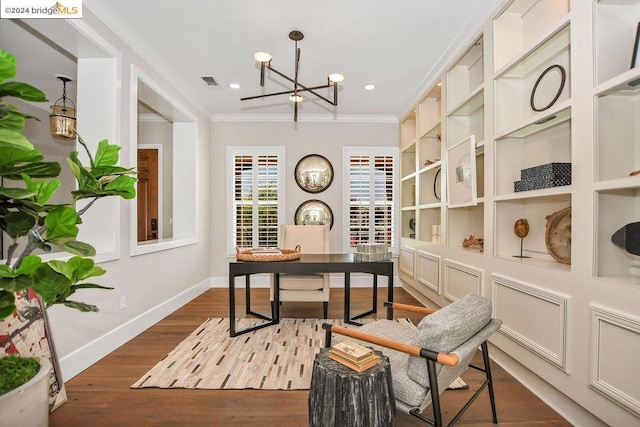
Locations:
(521, 229)
(477, 242)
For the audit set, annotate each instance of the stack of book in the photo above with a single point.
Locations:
(354, 356)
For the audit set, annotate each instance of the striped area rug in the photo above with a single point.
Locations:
(274, 358)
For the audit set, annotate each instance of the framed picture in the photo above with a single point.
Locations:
(461, 174)
(636, 46)
(314, 173)
(314, 212)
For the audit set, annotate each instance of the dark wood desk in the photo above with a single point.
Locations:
(322, 263)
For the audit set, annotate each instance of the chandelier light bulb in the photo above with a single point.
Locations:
(336, 78)
(295, 98)
(369, 86)
(262, 57)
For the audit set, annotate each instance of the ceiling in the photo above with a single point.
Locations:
(398, 46)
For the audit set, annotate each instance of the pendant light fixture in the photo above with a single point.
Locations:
(295, 95)
(62, 120)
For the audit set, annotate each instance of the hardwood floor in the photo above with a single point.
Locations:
(100, 396)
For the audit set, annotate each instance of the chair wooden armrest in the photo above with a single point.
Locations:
(413, 350)
(413, 308)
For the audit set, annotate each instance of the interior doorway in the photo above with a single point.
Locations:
(149, 225)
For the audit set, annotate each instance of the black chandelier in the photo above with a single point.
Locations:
(265, 63)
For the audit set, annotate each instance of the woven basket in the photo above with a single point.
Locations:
(286, 255)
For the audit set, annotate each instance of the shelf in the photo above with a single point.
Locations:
(519, 28)
(467, 119)
(429, 111)
(532, 194)
(429, 149)
(427, 218)
(543, 69)
(408, 130)
(615, 27)
(429, 182)
(466, 76)
(434, 132)
(535, 210)
(468, 221)
(617, 123)
(435, 165)
(533, 145)
(615, 209)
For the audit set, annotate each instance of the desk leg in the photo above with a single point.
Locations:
(276, 298)
(374, 304)
(347, 297)
(232, 306)
(247, 293)
(390, 293)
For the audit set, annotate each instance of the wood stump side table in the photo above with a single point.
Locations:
(340, 396)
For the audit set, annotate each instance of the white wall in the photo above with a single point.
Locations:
(299, 139)
(153, 284)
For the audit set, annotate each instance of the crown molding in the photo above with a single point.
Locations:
(310, 118)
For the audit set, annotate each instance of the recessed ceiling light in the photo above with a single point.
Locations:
(234, 85)
(369, 86)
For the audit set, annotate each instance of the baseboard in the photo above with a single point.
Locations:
(337, 281)
(561, 403)
(79, 360)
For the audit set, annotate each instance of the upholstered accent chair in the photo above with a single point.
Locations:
(313, 239)
(431, 356)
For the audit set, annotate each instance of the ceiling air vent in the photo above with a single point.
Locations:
(211, 82)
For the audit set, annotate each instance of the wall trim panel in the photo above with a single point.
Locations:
(559, 303)
(599, 317)
(450, 267)
(425, 279)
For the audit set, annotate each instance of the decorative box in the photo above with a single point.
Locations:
(552, 169)
(372, 252)
(544, 176)
(380, 256)
(372, 248)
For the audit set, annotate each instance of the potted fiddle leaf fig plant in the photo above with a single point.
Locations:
(32, 225)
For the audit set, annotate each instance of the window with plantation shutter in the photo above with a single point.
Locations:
(370, 196)
(256, 198)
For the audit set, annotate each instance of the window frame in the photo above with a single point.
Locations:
(254, 152)
(370, 152)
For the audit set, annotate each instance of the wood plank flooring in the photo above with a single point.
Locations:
(100, 396)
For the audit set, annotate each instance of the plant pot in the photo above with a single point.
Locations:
(28, 405)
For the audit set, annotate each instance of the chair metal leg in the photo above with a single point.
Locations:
(435, 395)
(325, 308)
(487, 368)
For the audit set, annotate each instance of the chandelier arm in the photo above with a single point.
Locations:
(286, 92)
(295, 84)
(309, 89)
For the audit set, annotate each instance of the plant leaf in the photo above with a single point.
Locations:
(34, 170)
(83, 307)
(74, 247)
(61, 223)
(53, 287)
(44, 189)
(18, 224)
(61, 267)
(16, 193)
(106, 154)
(14, 138)
(10, 156)
(123, 186)
(7, 303)
(23, 91)
(7, 65)
(30, 263)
